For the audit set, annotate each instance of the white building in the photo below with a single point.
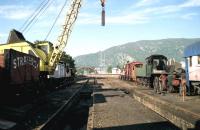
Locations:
(116, 71)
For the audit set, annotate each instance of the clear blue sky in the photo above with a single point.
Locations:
(126, 21)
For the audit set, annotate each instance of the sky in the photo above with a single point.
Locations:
(126, 21)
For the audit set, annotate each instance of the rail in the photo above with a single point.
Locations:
(103, 75)
(54, 119)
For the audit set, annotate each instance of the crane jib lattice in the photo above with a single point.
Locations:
(63, 38)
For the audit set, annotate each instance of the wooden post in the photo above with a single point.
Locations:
(183, 85)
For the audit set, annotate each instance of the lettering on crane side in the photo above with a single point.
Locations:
(24, 60)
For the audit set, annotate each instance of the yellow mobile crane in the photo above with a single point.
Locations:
(49, 55)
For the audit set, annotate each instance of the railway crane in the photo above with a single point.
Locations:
(49, 55)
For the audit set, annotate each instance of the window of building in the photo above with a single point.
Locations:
(198, 59)
(138, 66)
(190, 60)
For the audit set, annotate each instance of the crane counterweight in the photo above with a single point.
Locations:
(103, 12)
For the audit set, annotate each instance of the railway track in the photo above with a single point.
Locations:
(47, 113)
(54, 121)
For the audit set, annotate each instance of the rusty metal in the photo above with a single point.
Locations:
(130, 70)
(18, 68)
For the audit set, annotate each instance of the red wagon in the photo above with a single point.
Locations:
(17, 69)
(130, 70)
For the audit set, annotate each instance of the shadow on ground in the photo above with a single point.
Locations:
(197, 126)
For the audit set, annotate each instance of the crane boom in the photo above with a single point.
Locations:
(63, 38)
(49, 55)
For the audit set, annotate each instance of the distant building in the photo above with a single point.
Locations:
(100, 70)
(183, 64)
(172, 62)
(116, 71)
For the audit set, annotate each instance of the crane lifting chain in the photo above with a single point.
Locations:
(103, 12)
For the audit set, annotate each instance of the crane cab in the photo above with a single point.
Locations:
(40, 49)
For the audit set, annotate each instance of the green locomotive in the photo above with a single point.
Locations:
(153, 72)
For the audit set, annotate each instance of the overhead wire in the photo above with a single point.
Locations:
(34, 16)
(56, 20)
(37, 18)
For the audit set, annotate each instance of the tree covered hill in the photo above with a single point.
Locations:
(138, 51)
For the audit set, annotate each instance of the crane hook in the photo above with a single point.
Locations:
(103, 12)
(103, 3)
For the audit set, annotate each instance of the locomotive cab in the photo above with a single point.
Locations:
(149, 73)
(157, 64)
(156, 71)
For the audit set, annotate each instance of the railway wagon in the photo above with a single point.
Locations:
(149, 74)
(192, 61)
(129, 70)
(17, 69)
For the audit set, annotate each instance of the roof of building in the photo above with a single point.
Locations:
(135, 62)
(192, 50)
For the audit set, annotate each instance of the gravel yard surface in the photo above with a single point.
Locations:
(191, 103)
(114, 109)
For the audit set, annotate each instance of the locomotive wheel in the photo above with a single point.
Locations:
(149, 83)
(171, 89)
(156, 85)
(196, 90)
(160, 88)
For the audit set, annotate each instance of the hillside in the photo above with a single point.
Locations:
(118, 55)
